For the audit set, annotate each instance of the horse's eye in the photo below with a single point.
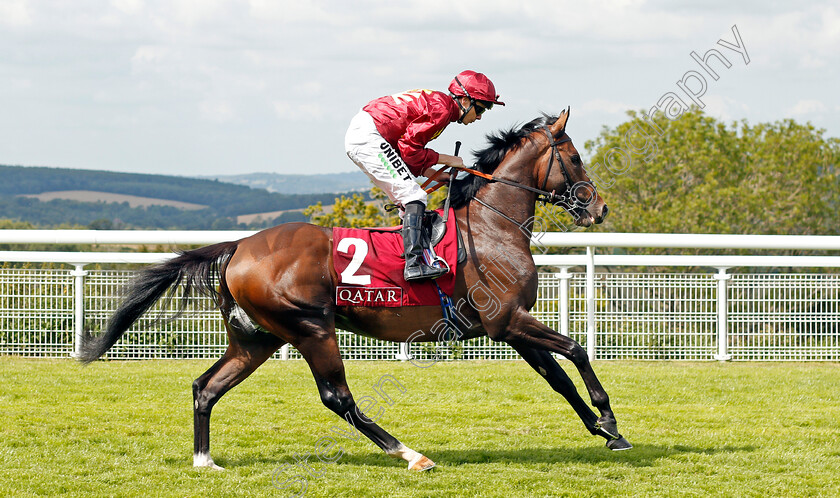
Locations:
(576, 159)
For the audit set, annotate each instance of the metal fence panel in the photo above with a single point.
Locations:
(198, 333)
(784, 317)
(649, 316)
(36, 313)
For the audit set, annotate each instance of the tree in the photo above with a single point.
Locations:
(697, 175)
(101, 224)
(355, 212)
(349, 212)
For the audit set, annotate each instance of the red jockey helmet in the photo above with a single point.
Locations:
(474, 85)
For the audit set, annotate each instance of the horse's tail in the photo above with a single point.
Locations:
(195, 269)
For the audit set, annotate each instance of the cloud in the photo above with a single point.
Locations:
(296, 111)
(605, 106)
(806, 107)
(149, 58)
(805, 37)
(197, 12)
(175, 69)
(724, 108)
(128, 6)
(310, 88)
(216, 111)
(15, 13)
(300, 11)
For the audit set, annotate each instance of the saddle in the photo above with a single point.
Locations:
(369, 263)
(434, 225)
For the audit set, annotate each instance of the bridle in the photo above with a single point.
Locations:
(552, 143)
(565, 199)
(544, 196)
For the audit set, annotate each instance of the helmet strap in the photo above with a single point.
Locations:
(466, 111)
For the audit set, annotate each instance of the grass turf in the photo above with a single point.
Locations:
(493, 428)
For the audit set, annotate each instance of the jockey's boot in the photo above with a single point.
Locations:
(414, 243)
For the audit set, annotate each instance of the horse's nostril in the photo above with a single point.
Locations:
(604, 211)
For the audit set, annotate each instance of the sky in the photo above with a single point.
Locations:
(214, 87)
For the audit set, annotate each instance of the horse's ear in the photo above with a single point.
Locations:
(560, 124)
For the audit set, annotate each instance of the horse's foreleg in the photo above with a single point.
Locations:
(238, 362)
(324, 360)
(547, 367)
(527, 332)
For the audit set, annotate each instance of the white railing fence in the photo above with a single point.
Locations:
(721, 314)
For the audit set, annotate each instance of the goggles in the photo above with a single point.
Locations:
(483, 106)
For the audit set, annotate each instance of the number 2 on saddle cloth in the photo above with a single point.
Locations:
(370, 262)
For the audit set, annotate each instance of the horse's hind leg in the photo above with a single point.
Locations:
(241, 358)
(321, 353)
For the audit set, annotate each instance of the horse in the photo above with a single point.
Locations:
(278, 287)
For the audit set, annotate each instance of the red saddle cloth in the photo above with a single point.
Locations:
(369, 263)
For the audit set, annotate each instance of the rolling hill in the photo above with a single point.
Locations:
(301, 184)
(58, 196)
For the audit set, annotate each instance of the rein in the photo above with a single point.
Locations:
(503, 215)
(543, 195)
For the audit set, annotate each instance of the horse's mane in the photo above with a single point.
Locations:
(488, 159)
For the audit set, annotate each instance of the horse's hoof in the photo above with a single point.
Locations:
(619, 444)
(204, 461)
(421, 464)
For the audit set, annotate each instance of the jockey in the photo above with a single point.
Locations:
(387, 140)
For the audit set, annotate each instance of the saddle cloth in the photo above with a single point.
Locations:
(370, 262)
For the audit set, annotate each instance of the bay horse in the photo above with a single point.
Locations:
(278, 287)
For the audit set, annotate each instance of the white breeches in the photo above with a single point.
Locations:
(366, 147)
